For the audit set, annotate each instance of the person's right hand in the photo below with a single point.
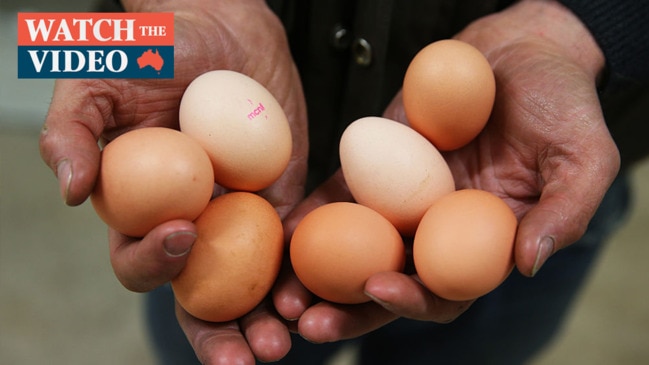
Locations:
(239, 35)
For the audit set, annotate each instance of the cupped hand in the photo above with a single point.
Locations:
(208, 36)
(546, 151)
(260, 335)
(393, 294)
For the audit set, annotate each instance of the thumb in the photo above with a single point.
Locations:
(142, 265)
(68, 141)
(567, 203)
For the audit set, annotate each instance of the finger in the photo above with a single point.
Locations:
(68, 142)
(215, 343)
(332, 190)
(406, 297)
(290, 297)
(397, 294)
(567, 203)
(328, 322)
(159, 257)
(267, 335)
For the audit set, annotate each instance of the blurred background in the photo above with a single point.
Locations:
(61, 304)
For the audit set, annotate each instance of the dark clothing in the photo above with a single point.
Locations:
(352, 56)
(621, 29)
(358, 75)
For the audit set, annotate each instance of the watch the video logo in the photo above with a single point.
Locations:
(95, 45)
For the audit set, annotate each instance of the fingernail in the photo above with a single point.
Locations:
(546, 247)
(64, 175)
(382, 303)
(179, 243)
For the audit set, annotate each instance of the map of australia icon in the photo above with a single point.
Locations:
(150, 58)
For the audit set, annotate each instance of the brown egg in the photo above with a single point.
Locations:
(394, 170)
(235, 259)
(338, 246)
(149, 176)
(241, 126)
(464, 245)
(448, 93)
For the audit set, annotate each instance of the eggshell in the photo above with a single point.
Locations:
(394, 170)
(241, 126)
(448, 93)
(149, 176)
(235, 259)
(338, 246)
(464, 246)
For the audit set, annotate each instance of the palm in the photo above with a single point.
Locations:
(535, 132)
(254, 51)
(545, 150)
(546, 146)
(83, 111)
(258, 50)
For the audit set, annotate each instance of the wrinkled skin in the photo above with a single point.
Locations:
(546, 151)
(83, 112)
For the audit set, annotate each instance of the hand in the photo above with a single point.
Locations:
(394, 294)
(208, 36)
(546, 151)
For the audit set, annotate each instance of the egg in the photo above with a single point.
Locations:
(241, 126)
(336, 247)
(464, 245)
(234, 260)
(448, 93)
(149, 176)
(394, 170)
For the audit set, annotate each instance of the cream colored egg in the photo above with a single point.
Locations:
(394, 170)
(241, 126)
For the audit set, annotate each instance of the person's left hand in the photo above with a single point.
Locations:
(546, 151)
(393, 294)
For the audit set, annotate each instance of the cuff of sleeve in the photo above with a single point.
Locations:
(622, 31)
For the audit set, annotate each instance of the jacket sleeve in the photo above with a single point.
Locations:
(622, 31)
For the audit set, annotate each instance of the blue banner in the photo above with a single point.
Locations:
(57, 62)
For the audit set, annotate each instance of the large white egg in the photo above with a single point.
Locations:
(394, 170)
(241, 126)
